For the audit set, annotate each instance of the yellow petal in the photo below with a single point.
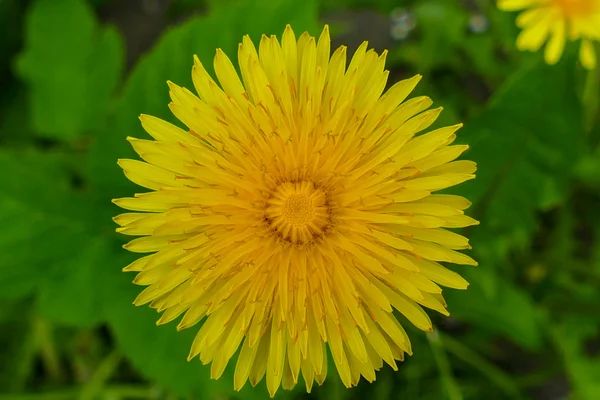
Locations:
(514, 5)
(556, 44)
(533, 36)
(587, 54)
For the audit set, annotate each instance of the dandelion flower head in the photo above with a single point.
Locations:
(555, 21)
(295, 212)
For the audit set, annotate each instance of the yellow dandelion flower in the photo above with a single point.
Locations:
(555, 21)
(296, 212)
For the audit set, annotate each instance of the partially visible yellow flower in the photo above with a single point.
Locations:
(555, 21)
(296, 212)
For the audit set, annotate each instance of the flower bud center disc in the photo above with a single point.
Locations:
(298, 212)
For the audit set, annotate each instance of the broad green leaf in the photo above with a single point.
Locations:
(583, 367)
(50, 247)
(71, 66)
(481, 51)
(69, 294)
(443, 25)
(160, 353)
(36, 231)
(525, 143)
(16, 342)
(103, 75)
(509, 311)
(587, 171)
(442, 19)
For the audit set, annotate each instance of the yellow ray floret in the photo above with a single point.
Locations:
(296, 212)
(553, 22)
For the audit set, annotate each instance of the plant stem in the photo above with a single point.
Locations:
(105, 370)
(437, 348)
(27, 352)
(498, 377)
(538, 378)
(45, 345)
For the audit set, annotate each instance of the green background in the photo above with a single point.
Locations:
(75, 75)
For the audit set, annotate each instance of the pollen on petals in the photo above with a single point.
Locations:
(296, 211)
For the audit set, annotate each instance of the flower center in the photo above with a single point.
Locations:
(575, 8)
(298, 212)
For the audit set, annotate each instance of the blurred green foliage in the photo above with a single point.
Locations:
(67, 326)
(67, 53)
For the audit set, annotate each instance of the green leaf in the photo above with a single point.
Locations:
(509, 311)
(481, 51)
(587, 171)
(36, 230)
(70, 65)
(104, 73)
(524, 143)
(49, 245)
(69, 293)
(160, 352)
(443, 25)
(442, 19)
(583, 369)
(17, 343)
